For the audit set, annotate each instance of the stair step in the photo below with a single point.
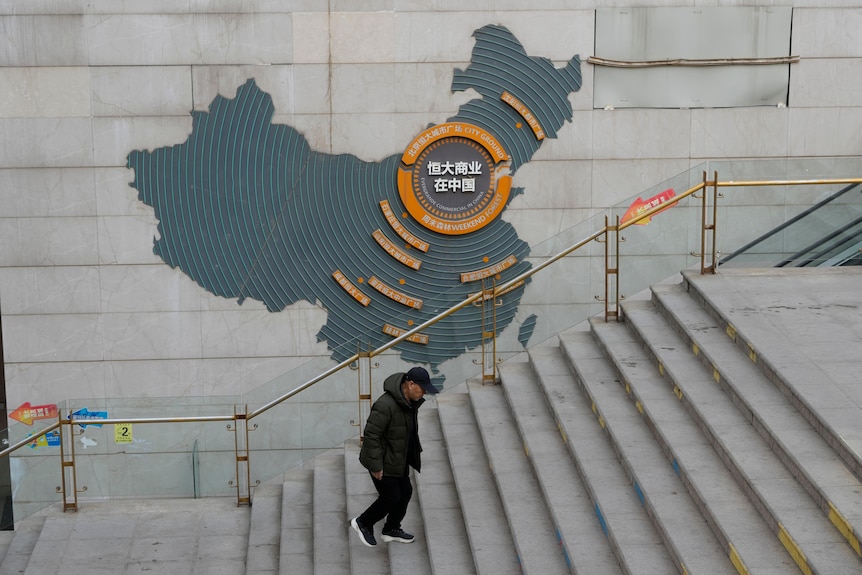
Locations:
(333, 538)
(21, 543)
(52, 540)
(117, 536)
(264, 535)
(635, 542)
(445, 532)
(793, 516)
(6, 537)
(296, 546)
(808, 455)
(579, 531)
(674, 513)
(533, 530)
(807, 362)
(490, 540)
(746, 539)
(411, 558)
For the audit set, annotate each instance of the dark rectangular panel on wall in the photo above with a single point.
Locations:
(686, 33)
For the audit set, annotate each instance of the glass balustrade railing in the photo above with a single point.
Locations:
(798, 224)
(116, 461)
(35, 468)
(826, 234)
(200, 457)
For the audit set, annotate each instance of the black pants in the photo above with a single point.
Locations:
(394, 494)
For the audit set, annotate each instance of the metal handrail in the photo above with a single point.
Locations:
(29, 439)
(70, 419)
(798, 217)
(744, 183)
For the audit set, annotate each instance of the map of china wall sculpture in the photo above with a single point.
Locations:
(247, 209)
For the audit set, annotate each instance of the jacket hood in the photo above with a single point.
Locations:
(392, 386)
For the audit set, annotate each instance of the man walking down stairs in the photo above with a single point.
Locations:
(390, 448)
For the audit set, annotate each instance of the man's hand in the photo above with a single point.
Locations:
(378, 475)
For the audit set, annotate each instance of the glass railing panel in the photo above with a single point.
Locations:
(35, 477)
(840, 247)
(304, 425)
(315, 420)
(153, 459)
(786, 169)
(746, 213)
(562, 294)
(573, 289)
(35, 471)
(749, 215)
(794, 232)
(286, 382)
(669, 242)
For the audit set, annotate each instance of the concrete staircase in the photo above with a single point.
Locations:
(681, 439)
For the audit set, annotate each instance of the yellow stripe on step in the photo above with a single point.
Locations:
(794, 550)
(844, 528)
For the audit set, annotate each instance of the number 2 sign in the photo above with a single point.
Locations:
(123, 433)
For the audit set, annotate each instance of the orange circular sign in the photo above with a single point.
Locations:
(453, 178)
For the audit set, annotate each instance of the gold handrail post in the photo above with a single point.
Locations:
(494, 360)
(489, 333)
(364, 384)
(616, 268)
(241, 454)
(708, 224)
(611, 271)
(67, 462)
(715, 196)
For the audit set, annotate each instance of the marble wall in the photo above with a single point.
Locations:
(88, 311)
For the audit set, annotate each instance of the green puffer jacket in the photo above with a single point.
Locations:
(387, 441)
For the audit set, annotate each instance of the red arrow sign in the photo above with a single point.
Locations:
(639, 206)
(27, 414)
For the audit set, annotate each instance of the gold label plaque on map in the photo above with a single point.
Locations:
(398, 332)
(525, 113)
(489, 271)
(350, 288)
(393, 251)
(400, 229)
(395, 295)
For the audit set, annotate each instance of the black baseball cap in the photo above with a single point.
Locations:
(420, 376)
